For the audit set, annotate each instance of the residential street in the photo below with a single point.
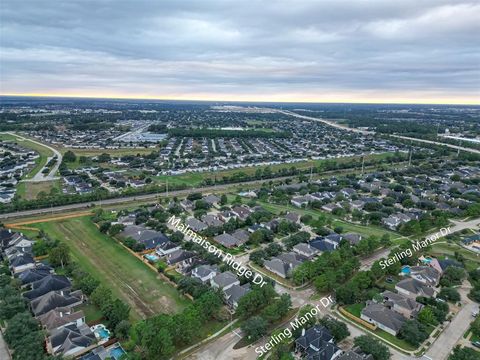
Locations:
(454, 332)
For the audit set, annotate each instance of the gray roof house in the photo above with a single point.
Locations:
(402, 304)
(224, 281)
(226, 240)
(205, 272)
(234, 293)
(49, 283)
(71, 340)
(195, 224)
(283, 264)
(55, 299)
(413, 288)
(306, 250)
(60, 317)
(383, 317)
(317, 343)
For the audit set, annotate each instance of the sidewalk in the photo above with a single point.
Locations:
(4, 354)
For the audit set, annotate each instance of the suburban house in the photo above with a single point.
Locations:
(150, 238)
(317, 343)
(224, 281)
(49, 283)
(166, 248)
(283, 264)
(31, 275)
(426, 274)
(178, 256)
(322, 244)
(402, 304)
(211, 220)
(227, 240)
(355, 354)
(59, 317)
(383, 317)
(195, 224)
(306, 250)
(21, 262)
(412, 288)
(242, 212)
(234, 293)
(56, 299)
(71, 340)
(241, 235)
(205, 272)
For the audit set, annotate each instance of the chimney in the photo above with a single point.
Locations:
(303, 332)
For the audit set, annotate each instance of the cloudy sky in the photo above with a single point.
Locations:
(298, 50)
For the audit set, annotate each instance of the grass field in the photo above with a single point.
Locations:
(355, 309)
(449, 249)
(30, 190)
(127, 276)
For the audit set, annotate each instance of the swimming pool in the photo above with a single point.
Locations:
(406, 270)
(151, 257)
(101, 333)
(117, 352)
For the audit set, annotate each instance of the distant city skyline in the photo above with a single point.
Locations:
(220, 50)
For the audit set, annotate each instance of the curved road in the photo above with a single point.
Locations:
(39, 176)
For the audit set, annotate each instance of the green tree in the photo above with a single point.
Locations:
(372, 346)
(59, 255)
(255, 328)
(465, 353)
(413, 332)
(69, 156)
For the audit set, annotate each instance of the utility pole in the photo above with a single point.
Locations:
(410, 156)
(363, 164)
(311, 172)
(167, 187)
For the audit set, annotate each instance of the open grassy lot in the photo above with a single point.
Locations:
(444, 249)
(107, 260)
(30, 190)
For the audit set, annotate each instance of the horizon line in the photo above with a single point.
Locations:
(377, 102)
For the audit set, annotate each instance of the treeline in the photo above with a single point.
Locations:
(23, 334)
(161, 336)
(214, 133)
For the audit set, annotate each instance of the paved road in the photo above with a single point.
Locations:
(444, 344)
(475, 151)
(39, 176)
(4, 355)
(327, 122)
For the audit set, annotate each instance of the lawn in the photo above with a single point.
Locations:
(92, 313)
(106, 259)
(449, 249)
(30, 190)
(112, 152)
(355, 309)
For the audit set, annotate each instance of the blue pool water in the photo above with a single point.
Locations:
(104, 334)
(406, 269)
(151, 257)
(427, 260)
(117, 352)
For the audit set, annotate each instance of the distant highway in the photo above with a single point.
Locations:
(129, 199)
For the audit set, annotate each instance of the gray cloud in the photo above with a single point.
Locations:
(285, 50)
